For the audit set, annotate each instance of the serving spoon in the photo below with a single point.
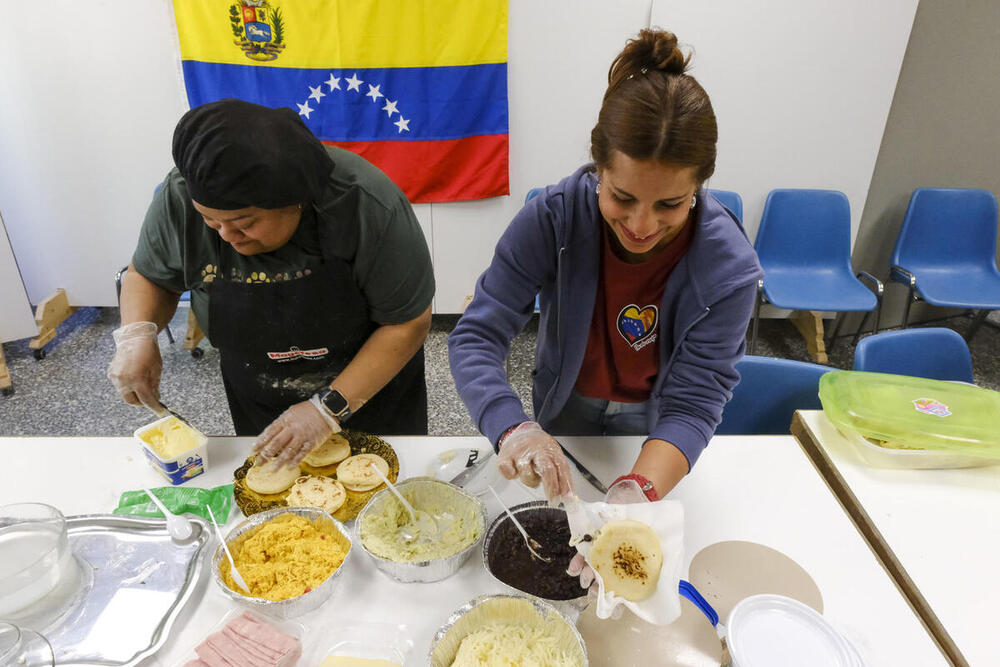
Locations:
(533, 546)
(424, 522)
(237, 577)
(179, 528)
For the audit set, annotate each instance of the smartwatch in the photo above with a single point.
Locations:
(335, 402)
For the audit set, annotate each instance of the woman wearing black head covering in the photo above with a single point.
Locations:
(307, 269)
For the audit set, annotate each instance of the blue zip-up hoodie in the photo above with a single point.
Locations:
(552, 248)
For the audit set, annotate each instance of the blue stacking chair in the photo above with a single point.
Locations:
(946, 251)
(935, 352)
(769, 393)
(730, 200)
(804, 246)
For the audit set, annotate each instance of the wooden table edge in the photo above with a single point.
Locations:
(859, 517)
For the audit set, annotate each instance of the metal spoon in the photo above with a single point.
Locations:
(423, 521)
(179, 528)
(529, 542)
(237, 578)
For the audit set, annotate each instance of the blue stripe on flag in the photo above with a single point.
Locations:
(437, 102)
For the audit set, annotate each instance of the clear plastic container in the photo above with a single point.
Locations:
(374, 644)
(290, 628)
(778, 631)
(910, 413)
(19, 646)
(34, 554)
(176, 466)
(877, 456)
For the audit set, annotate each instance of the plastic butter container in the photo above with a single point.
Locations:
(908, 422)
(173, 448)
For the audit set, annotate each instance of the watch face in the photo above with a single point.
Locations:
(335, 401)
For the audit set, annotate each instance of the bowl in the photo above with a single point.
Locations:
(501, 608)
(433, 569)
(300, 604)
(176, 466)
(34, 554)
(503, 565)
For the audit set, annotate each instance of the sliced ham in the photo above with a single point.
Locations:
(248, 642)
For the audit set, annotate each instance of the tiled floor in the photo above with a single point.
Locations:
(67, 393)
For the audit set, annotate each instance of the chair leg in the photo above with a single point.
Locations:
(170, 335)
(756, 318)
(861, 325)
(906, 309)
(833, 332)
(976, 323)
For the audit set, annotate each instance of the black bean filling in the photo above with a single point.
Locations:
(512, 563)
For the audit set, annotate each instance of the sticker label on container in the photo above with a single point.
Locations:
(931, 407)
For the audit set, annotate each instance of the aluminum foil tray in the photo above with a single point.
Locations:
(130, 582)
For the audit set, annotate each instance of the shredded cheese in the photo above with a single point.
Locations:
(508, 645)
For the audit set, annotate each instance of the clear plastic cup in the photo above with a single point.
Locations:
(24, 647)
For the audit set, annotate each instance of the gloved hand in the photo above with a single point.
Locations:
(295, 433)
(530, 454)
(621, 492)
(135, 369)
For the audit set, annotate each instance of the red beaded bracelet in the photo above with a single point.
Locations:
(644, 484)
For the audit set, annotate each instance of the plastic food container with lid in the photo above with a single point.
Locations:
(955, 423)
(34, 554)
(777, 631)
(174, 449)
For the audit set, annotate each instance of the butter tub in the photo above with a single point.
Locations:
(174, 449)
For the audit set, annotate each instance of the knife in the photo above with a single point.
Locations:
(463, 478)
(174, 414)
(587, 475)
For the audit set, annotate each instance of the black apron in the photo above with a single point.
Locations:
(281, 342)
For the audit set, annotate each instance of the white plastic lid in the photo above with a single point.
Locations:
(777, 631)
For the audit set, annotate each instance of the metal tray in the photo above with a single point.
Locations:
(130, 582)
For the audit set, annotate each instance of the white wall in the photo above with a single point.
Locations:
(90, 94)
(801, 90)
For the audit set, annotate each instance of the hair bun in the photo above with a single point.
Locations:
(651, 50)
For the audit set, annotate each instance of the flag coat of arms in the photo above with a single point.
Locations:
(417, 87)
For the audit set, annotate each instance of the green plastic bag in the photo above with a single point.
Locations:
(179, 500)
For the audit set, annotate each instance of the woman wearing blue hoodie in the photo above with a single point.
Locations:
(646, 284)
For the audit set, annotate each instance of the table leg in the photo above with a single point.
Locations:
(810, 325)
(6, 385)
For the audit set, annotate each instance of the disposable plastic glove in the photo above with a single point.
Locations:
(135, 369)
(530, 454)
(295, 433)
(622, 492)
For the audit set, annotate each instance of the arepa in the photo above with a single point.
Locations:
(322, 492)
(333, 450)
(628, 557)
(270, 477)
(356, 473)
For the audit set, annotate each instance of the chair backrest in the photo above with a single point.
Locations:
(769, 393)
(805, 228)
(935, 353)
(730, 200)
(948, 227)
(532, 193)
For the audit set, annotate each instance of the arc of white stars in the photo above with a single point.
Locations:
(354, 83)
(316, 93)
(305, 109)
(333, 82)
(390, 107)
(374, 92)
(402, 124)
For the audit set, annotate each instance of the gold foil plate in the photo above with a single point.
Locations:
(251, 502)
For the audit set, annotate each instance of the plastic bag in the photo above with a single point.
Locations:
(179, 500)
(666, 518)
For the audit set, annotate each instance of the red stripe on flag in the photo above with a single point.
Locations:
(469, 168)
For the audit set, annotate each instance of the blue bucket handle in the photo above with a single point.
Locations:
(691, 593)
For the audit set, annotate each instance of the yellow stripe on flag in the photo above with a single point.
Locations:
(352, 33)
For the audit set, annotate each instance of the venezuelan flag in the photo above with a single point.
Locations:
(417, 87)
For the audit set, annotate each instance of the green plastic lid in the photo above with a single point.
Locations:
(913, 413)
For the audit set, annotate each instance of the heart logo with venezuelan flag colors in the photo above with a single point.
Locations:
(636, 324)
